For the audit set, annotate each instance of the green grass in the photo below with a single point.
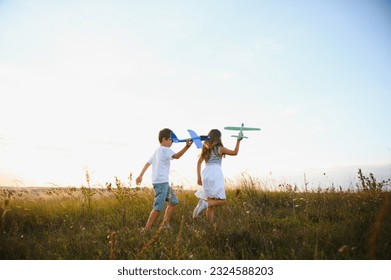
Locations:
(80, 224)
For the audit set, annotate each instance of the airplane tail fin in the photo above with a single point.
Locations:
(238, 136)
(174, 138)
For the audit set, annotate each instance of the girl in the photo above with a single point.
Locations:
(212, 193)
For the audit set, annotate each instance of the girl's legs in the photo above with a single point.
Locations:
(211, 204)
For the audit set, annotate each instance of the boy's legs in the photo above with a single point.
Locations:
(172, 202)
(152, 218)
(155, 213)
(170, 209)
(158, 204)
(163, 192)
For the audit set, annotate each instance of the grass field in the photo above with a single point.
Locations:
(88, 224)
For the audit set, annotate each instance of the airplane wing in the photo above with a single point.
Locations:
(232, 128)
(196, 139)
(238, 136)
(240, 128)
(251, 128)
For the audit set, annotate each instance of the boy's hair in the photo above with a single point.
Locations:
(212, 144)
(164, 133)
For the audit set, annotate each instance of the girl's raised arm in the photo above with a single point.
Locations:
(225, 151)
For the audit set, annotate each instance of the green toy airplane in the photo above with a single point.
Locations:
(241, 129)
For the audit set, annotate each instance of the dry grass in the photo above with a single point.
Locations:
(254, 224)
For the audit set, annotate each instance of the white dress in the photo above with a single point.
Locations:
(212, 179)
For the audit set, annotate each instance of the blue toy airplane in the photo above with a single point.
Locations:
(196, 139)
(241, 129)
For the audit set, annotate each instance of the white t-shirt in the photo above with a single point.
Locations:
(160, 162)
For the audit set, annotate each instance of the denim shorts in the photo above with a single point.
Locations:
(163, 191)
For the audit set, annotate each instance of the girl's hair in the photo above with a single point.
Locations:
(211, 145)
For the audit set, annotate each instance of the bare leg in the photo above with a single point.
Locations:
(210, 213)
(170, 209)
(211, 204)
(152, 218)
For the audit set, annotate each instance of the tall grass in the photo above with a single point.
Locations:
(255, 223)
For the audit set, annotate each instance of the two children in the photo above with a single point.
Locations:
(212, 193)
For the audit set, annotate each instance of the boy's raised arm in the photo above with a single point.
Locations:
(181, 152)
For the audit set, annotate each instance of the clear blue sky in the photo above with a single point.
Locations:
(90, 84)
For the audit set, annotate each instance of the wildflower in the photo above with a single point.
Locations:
(343, 249)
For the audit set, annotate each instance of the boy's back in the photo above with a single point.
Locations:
(160, 161)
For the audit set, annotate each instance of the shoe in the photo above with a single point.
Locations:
(202, 205)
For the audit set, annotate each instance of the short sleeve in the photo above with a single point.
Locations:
(169, 153)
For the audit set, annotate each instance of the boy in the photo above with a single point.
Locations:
(160, 162)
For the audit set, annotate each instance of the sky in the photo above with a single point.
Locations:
(87, 85)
